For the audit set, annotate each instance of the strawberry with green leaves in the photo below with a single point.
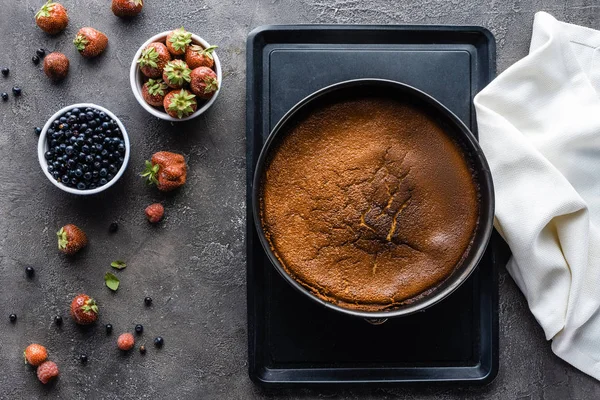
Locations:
(166, 170)
(176, 74)
(204, 83)
(127, 8)
(84, 309)
(154, 92)
(90, 42)
(178, 41)
(153, 60)
(71, 239)
(197, 56)
(52, 18)
(180, 104)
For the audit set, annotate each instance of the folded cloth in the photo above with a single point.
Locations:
(539, 127)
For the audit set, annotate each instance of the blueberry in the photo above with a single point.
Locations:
(64, 178)
(139, 328)
(4, 96)
(62, 147)
(62, 120)
(98, 158)
(83, 358)
(113, 227)
(105, 125)
(120, 161)
(69, 150)
(121, 148)
(56, 175)
(103, 172)
(84, 127)
(82, 157)
(92, 124)
(159, 342)
(104, 153)
(13, 318)
(35, 60)
(89, 115)
(76, 111)
(37, 130)
(16, 90)
(148, 301)
(74, 181)
(58, 320)
(89, 159)
(85, 168)
(103, 181)
(99, 147)
(105, 163)
(97, 165)
(48, 155)
(50, 168)
(109, 329)
(71, 163)
(110, 177)
(112, 169)
(78, 172)
(72, 119)
(5, 71)
(93, 149)
(85, 148)
(102, 114)
(92, 186)
(81, 186)
(30, 272)
(95, 174)
(54, 143)
(87, 176)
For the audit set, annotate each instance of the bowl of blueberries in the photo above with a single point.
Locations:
(83, 149)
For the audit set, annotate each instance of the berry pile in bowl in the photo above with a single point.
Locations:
(176, 75)
(83, 149)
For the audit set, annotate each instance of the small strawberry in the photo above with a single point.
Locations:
(56, 66)
(47, 371)
(178, 40)
(90, 42)
(126, 341)
(71, 239)
(153, 59)
(52, 18)
(127, 8)
(154, 92)
(180, 104)
(204, 82)
(155, 212)
(84, 309)
(167, 170)
(176, 74)
(196, 56)
(35, 354)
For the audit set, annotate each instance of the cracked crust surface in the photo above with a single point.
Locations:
(368, 203)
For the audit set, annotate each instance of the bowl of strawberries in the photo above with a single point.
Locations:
(176, 75)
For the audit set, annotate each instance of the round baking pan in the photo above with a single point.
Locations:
(452, 127)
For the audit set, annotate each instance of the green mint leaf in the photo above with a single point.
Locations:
(112, 282)
(118, 264)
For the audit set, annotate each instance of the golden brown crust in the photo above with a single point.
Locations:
(369, 204)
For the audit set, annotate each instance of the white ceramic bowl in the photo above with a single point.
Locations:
(43, 147)
(136, 79)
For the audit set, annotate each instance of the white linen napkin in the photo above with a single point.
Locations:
(539, 127)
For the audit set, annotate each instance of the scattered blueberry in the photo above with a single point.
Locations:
(13, 318)
(148, 301)
(35, 60)
(16, 90)
(159, 341)
(108, 329)
(4, 96)
(142, 349)
(58, 320)
(37, 130)
(40, 52)
(113, 227)
(83, 358)
(139, 328)
(5, 71)
(30, 272)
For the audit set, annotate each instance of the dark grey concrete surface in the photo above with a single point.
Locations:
(193, 263)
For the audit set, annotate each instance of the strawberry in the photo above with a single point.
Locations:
(180, 104)
(47, 371)
(178, 41)
(56, 66)
(153, 59)
(127, 8)
(155, 212)
(204, 82)
(52, 18)
(90, 42)
(154, 92)
(196, 56)
(176, 74)
(126, 341)
(167, 170)
(84, 309)
(35, 354)
(71, 239)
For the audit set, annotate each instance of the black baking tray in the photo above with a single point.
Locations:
(294, 341)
